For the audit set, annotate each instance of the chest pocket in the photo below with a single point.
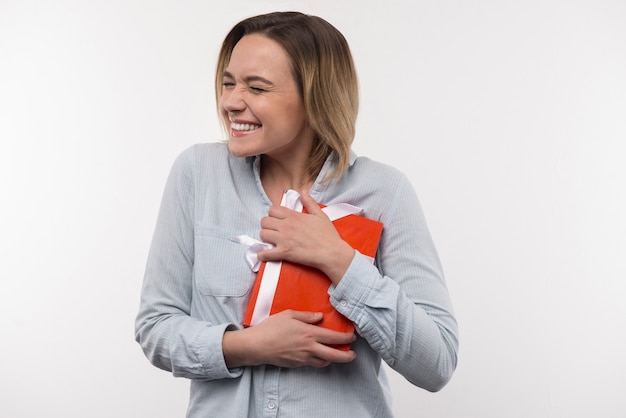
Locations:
(220, 268)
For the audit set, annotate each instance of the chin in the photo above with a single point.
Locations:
(239, 151)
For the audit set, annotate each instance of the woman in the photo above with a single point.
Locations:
(287, 93)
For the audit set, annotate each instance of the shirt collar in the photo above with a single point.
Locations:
(352, 158)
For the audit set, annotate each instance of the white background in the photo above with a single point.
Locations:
(509, 117)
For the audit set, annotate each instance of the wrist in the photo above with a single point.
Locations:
(340, 261)
(234, 349)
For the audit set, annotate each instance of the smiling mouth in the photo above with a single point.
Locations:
(243, 127)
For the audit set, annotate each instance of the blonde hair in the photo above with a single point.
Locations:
(324, 71)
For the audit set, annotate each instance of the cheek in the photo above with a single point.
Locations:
(223, 112)
(295, 107)
(220, 104)
(298, 117)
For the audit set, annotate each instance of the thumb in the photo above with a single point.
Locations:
(310, 204)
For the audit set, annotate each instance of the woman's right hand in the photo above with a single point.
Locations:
(286, 339)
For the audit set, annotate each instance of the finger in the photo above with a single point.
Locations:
(273, 254)
(334, 355)
(331, 337)
(319, 363)
(308, 317)
(270, 223)
(279, 212)
(323, 335)
(310, 204)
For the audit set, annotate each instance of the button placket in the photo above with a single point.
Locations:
(271, 390)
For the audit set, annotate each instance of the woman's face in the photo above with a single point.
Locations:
(260, 103)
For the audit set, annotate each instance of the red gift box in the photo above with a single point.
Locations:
(285, 285)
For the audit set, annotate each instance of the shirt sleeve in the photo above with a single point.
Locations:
(170, 338)
(402, 308)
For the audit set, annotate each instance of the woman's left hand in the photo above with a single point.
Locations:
(305, 238)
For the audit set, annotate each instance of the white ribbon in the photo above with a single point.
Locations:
(254, 246)
(291, 199)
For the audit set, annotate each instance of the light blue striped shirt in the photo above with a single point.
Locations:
(197, 285)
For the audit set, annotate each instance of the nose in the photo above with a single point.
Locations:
(232, 100)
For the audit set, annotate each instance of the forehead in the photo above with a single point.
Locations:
(259, 54)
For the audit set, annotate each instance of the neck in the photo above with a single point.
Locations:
(282, 183)
(291, 174)
(277, 178)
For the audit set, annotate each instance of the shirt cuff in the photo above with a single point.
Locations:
(213, 358)
(362, 287)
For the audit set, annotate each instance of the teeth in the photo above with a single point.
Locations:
(243, 126)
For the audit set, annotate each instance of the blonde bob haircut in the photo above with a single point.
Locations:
(324, 71)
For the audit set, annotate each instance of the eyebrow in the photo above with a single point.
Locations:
(251, 78)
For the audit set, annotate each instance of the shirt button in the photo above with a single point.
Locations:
(343, 302)
(271, 404)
